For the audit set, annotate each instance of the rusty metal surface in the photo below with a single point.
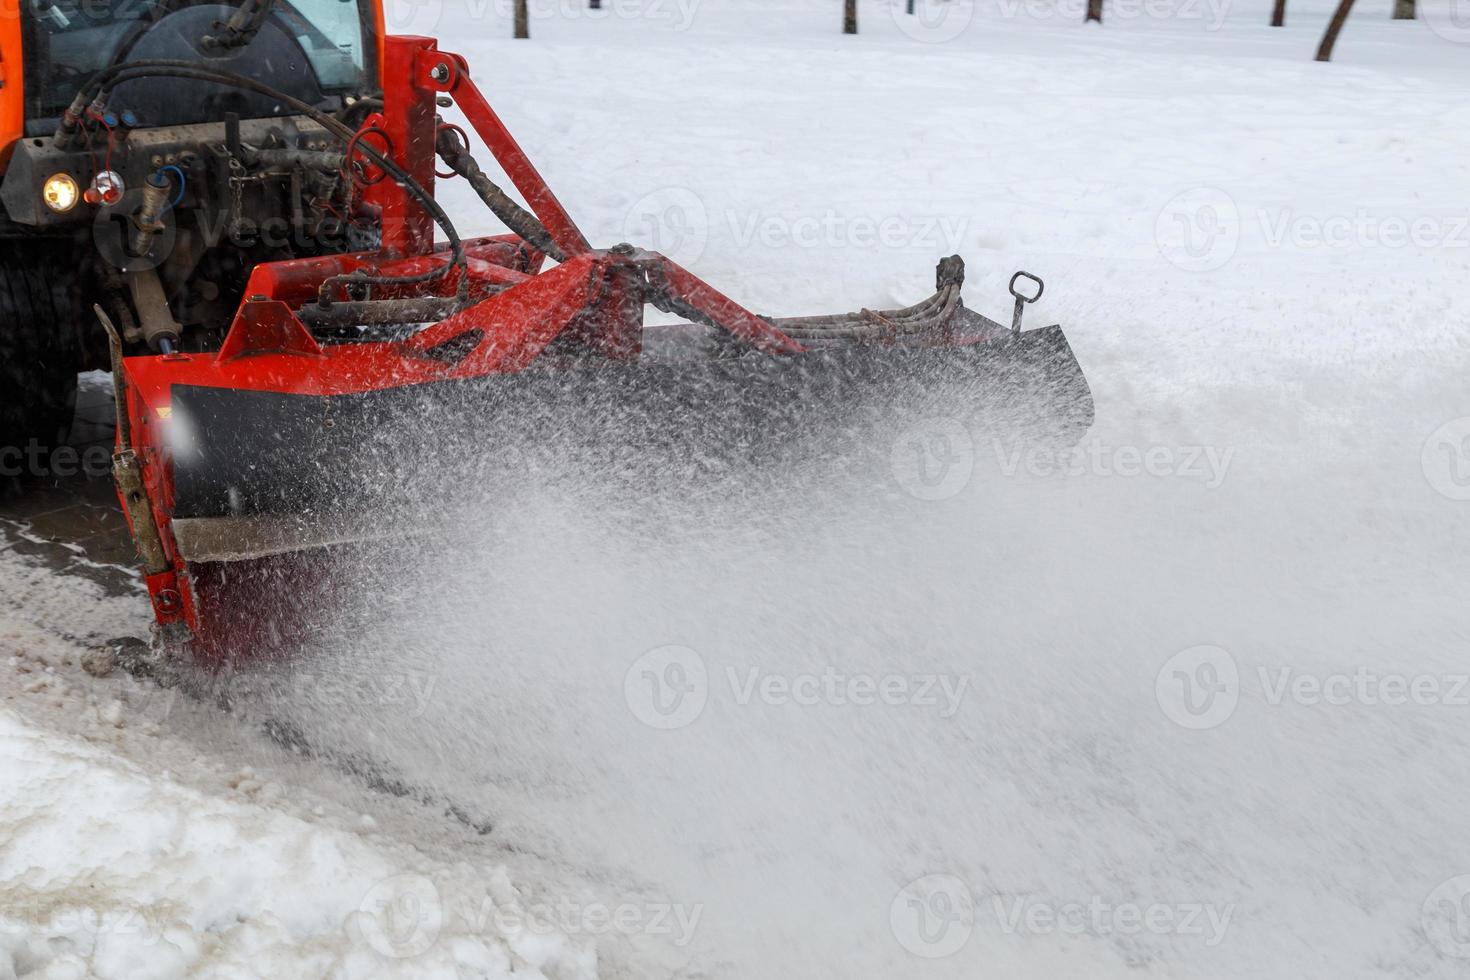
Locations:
(245, 538)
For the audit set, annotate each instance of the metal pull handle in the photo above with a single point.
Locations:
(1022, 299)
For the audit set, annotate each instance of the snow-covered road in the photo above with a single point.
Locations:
(1191, 702)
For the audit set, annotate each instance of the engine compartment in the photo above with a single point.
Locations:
(193, 207)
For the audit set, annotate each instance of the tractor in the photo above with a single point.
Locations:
(231, 207)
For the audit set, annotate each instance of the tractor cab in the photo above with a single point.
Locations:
(315, 50)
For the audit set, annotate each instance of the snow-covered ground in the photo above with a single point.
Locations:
(1190, 703)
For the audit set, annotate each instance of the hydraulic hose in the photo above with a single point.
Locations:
(525, 224)
(241, 28)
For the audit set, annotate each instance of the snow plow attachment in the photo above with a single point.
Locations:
(355, 393)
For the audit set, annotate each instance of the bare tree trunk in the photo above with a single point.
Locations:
(1324, 52)
(1278, 14)
(1094, 11)
(849, 17)
(596, 4)
(1403, 9)
(523, 19)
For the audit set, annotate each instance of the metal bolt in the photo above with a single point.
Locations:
(440, 73)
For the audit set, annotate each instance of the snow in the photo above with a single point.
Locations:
(1261, 263)
(142, 877)
(128, 854)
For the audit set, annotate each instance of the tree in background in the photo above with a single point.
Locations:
(1403, 9)
(1334, 28)
(1278, 14)
(1094, 11)
(849, 17)
(523, 19)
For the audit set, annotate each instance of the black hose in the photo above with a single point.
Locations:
(525, 224)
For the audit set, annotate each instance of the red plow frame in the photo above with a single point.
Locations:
(503, 310)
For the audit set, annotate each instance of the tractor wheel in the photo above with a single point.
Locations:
(40, 343)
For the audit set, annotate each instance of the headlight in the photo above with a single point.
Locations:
(60, 193)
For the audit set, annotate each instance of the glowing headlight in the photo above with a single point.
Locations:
(60, 193)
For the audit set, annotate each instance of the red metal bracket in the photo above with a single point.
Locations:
(512, 158)
(267, 326)
(681, 284)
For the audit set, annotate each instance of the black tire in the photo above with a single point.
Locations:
(40, 342)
